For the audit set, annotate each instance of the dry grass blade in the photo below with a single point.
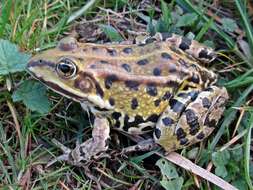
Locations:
(15, 118)
(190, 166)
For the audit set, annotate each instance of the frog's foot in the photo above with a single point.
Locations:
(145, 145)
(190, 118)
(92, 148)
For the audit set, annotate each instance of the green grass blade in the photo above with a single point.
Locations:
(81, 11)
(247, 153)
(3, 169)
(246, 23)
(191, 8)
(6, 11)
(204, 30)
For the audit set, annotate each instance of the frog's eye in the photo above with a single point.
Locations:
(66, 68)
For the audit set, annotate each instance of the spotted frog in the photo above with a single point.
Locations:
(159, 84)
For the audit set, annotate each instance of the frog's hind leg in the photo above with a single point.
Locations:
(191, 47)
(195, 120)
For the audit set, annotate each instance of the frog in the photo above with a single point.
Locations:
(160, 85)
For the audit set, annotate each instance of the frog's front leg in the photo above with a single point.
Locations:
(190, 117)
(90, 148)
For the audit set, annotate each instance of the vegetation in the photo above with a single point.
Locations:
(30, 115)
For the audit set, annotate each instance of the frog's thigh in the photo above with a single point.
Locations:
(164, 133)
(191, 47)
(197, 120)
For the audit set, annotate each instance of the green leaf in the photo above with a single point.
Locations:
(221, 171)
(229, 24)
(187, 19)
(237, 153)
(11, 60)
(220, 158)
(167, 168)
(111, 33)
(33, 95)
(175, 184)
(166, 17)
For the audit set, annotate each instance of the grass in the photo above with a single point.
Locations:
(26, 130)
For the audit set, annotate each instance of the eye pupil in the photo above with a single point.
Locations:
(66, 68)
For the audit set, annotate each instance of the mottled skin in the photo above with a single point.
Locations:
(159, 84)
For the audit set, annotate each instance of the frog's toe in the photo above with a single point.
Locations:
(73, 157)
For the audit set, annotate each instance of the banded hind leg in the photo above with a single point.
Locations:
(191, 47)
(190, 117)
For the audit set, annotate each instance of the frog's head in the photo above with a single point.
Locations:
(63, 70)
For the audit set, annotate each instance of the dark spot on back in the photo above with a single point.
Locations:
(103, 62)
(134, 103)
(94, 48)
(157, 102)
(112, 101)
(166, 55)
(126, 67)
(127, 50)
(157, 71)
(109, 80)
(142, 62)
(132, 85)
(93, 66)
(185, 43)
(151, 89)
(112, 52)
